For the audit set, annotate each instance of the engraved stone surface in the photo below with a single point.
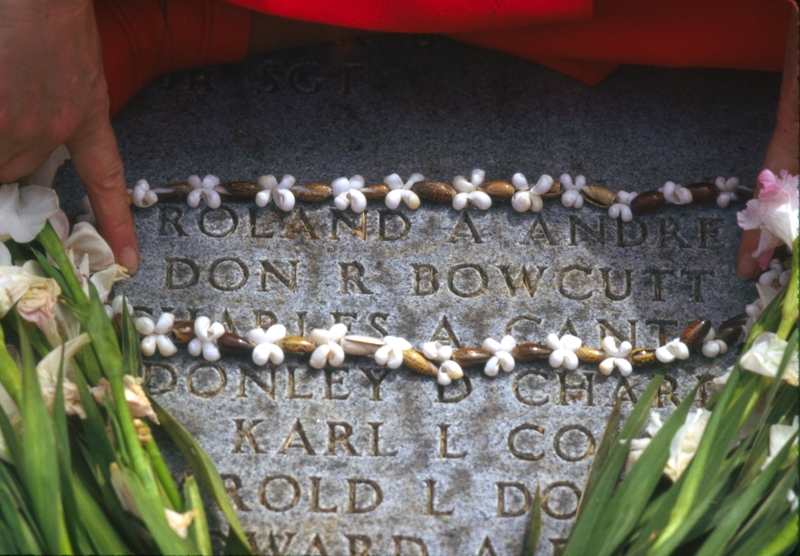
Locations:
(361, 459)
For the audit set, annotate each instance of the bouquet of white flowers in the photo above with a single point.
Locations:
(79, 469)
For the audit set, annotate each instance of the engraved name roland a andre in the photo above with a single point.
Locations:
(577, 281)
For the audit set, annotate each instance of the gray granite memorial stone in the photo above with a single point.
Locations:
(363, 460)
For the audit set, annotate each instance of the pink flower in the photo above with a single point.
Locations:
(775, 213)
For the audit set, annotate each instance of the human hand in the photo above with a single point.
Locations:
(783, 152)
(53, 92)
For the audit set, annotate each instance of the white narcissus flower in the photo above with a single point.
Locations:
(775, 213)
(449, 370)
(135, 396)
(563, 354)
(467, 191)
(672, 350)
(638, 445)
(142, 196)
(279, 193)
(205, 340)
(391, 354)
(571, 197)
(764, 357)
(501, 358)
(726, 190)
(24, 211)
(621, 209)
(685, 443)
(180, 522)
(266, 344)
(347, 193)
(203, 190)
(616, 357)
(676, 194)
(779, 435)
(527, 197)
(47, 371)
(92, 260)
(401, 192)
(328, 349)
(156, 335)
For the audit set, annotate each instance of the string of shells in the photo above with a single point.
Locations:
(354, 193)
(329, 348)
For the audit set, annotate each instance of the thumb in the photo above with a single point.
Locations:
(96, 159)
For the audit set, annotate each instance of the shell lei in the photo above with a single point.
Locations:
(330, 347)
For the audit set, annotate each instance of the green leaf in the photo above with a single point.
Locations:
(630, 499)
(69, 515)
(13, 439)
(131, 352)
(94, 520)
(534, 525)
(24, 538)
(199, 528)
(784, 542)
(596, 504)
(49, 239)
(206, 472)
(163, 475)
(610, 436)
(39, 466)
(9, 373)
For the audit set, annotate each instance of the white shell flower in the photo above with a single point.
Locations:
(24, 211)
(279, 193)
(775, 273)
(468, 191)
(676, 194)
(572, 195)
(779, 435)
(672, 350)
(142, 196)
(266, 344)
(563, 354)
(155, 334)
(616, 357)
(449, 370)
(527, 197)
(502, 357)
(115, 307)
(205, 342)
(391, 354)
(347, 193)
(764, 357)
(328, 348)
(726, 190)
(713, 346)
(87, 212)
(621, 209)
(401, 192)
(203, 190)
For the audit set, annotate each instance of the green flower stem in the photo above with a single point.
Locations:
(789, 318)
(163, 475)
(9, 373)
(52, 244)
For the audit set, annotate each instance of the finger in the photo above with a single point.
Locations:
(747, 266)
(96, 159)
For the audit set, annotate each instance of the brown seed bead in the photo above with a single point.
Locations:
(590, 355)
(233, 344)
(417, 362)
(530, 352)
(434, 191)
(296, 344)
(555, 191)
(312, 192)
(239, 189)
(693, 335)
(731, 330)
(703, 192)
(498, 190)
(173, 192)
(599, 196)
(471, 356)
(183, 331)
(644, 357)
(648, 201)
(375, 192)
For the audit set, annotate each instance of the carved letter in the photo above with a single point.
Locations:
(353, 272)
(377, 496)
(270, 268)
(181, 273)
(522, 508)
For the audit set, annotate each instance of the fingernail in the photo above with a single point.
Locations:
(129, 258)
